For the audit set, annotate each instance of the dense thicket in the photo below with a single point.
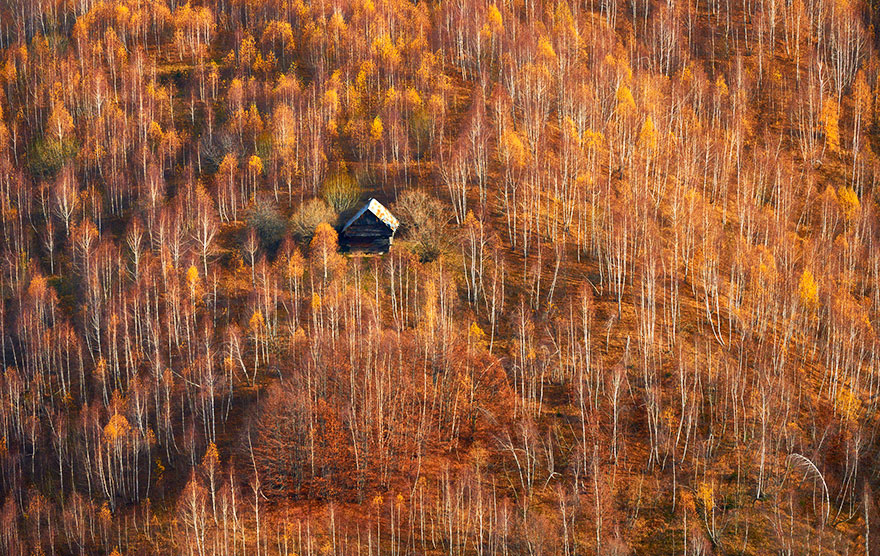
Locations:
(631, 307)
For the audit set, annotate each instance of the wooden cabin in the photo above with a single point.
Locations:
(370, 230)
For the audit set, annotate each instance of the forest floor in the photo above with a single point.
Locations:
(645, 489)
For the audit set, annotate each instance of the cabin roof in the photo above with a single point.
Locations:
(379, 210)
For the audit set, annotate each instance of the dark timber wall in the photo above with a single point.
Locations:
(368, 234)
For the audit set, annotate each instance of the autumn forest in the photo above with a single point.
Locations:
(631, 306)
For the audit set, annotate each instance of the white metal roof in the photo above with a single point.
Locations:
(377, 209)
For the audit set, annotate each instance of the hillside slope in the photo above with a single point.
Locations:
(631, 307)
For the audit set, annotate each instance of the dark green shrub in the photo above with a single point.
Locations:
(270, 226)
